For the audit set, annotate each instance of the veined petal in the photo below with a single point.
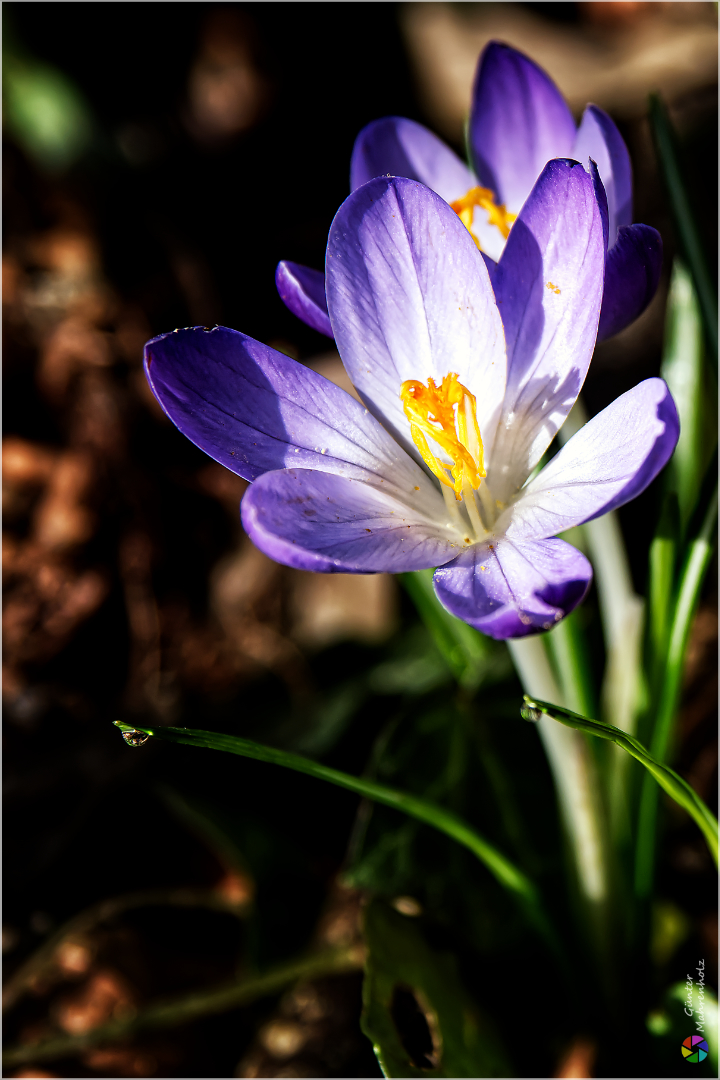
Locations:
(302, 290)
(331, 524)
(395, 146)
(549, 286)
(254, 409)
(509, 589)
(409, 297)
(518, 121)
(598, 138)
(632, 273)
(610, 461)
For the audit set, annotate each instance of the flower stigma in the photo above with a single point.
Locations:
(483, 197)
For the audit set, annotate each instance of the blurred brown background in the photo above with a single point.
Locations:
(190, 148)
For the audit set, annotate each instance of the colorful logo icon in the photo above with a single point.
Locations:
(694, 1048)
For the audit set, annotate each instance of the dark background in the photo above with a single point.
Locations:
(184, 224)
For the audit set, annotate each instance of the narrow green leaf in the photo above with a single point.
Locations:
(569, 653)
(504, 871)
(682, 369)
(687, 229)
(677, 788)
(697, 559)
(465, 650)
(661, 575)
(418, 1016)
(45, 112)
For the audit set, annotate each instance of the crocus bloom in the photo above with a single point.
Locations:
(460, 405)
(519, 121)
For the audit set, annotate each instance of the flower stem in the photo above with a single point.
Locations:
(573, 773)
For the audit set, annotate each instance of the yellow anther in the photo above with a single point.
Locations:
(447, 413)
(485, 199)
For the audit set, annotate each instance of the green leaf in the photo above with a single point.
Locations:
(471, 657)
(569, 652)
(677, 788)
(434, 750)
(418, 1016)
(682, 369)
(509, 875)
(685, 223)
(697, 560)
(661, 584)
(45, 113)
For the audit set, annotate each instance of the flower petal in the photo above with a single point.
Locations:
(409, 297)
(549, 285)
(510, 589)
(518, 121)
(398, 147)
(254, 409)
(599, 139)
(302, 290)
(328, 523)
(608, 462)
(632, 274)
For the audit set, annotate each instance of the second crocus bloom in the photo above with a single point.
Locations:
(519, 121)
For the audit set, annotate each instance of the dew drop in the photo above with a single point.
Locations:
(135, 738)
(528, 712)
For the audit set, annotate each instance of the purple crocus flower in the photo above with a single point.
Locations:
(519, 121)
(459, 406)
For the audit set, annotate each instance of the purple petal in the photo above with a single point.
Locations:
(254, 409)
(599, 139)
(608, 462)
(327, 523)
(410, 297)
(519, 121)
(510, 589)
(632, 274)
(395, 146)
(302, 290)
(548, 285)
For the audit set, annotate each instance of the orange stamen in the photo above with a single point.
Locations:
(447, 413)
(485, 199)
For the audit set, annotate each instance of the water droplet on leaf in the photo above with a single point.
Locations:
(135, 738)
(528, 712)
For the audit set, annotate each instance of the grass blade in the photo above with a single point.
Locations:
(697, 559)
(509, 876)
(463, 649)
(677, 788)
(682, 369)
(687, 229)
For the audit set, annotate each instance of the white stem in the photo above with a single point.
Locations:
(571, 767)
(621, 610)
